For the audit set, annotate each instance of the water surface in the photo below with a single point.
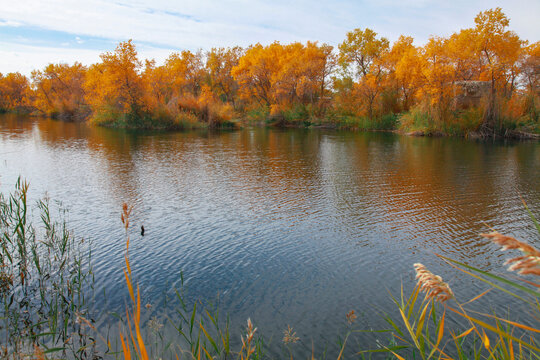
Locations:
(289, 227)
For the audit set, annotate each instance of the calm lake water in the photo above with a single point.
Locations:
(289, 227)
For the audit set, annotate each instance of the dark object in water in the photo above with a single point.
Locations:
(142, 230)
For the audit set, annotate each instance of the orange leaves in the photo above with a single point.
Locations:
(491, 22)
(59, 89)
(255, 70)
(215, 86)
(116, 83)
(438, 73)
(362, 50)
(281, 75)
(186, 72)
(14, 91)
(219, 65)
(497, 48)
(530, 67)
(363, 56)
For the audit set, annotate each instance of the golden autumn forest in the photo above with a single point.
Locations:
(480, 81)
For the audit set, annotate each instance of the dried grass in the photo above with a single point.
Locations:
(432, 284)
(528, 264)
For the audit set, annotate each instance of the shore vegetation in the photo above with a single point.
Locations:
(480, 81)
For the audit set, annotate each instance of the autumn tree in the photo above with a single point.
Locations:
(438, 73)
(187, 72)
(361, 54)
(114, 86)
(219, 65)
(303, 73)
(530, 70)
(59, 90)
(284, 76)
(404, 63)
(255, 70)
(499, 50)
(361, 51)
(14, 91)
(158, 85)
(461, 50)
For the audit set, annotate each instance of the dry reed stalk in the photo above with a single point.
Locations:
(528, 264)
(135, 315)
(432, 284)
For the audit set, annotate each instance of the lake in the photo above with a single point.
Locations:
(289, 226)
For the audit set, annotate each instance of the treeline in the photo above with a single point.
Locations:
(483, 79)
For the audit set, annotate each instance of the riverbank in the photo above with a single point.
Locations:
(402, 124)
(395, 123)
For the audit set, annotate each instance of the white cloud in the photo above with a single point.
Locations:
(194, 24)
(25, 58)
(205, 24)
(9, 23)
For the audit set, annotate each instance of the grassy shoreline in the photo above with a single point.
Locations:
(391, 123)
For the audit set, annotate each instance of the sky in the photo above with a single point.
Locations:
(34, 33)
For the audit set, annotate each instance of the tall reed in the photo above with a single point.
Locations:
(46, 282)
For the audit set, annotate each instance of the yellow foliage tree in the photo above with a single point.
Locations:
(362, 54)
(405, 63)
(438, 74)
(14, 91)
(59, 90)
(219, 65)
(281, 76)
(115, 86)
(499, 51)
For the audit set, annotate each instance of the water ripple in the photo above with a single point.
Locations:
(289, 227)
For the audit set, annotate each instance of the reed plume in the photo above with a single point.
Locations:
(289, 336)
(432, 284)
(351, 316)
(126, 211)
(528, 264)
(247, 343)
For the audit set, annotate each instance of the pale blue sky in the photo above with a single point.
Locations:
(34, 33)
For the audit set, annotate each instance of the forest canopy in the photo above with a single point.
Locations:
(482, 79)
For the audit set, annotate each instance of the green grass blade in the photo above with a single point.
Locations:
(495, 277)
(532, 216)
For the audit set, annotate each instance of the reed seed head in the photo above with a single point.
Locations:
(289, 336)
(155, 324)
(528, 264)
(250, 330)
(351, 317)
(39, 354)
(126, 211)
(246, 343)
(432, 284)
